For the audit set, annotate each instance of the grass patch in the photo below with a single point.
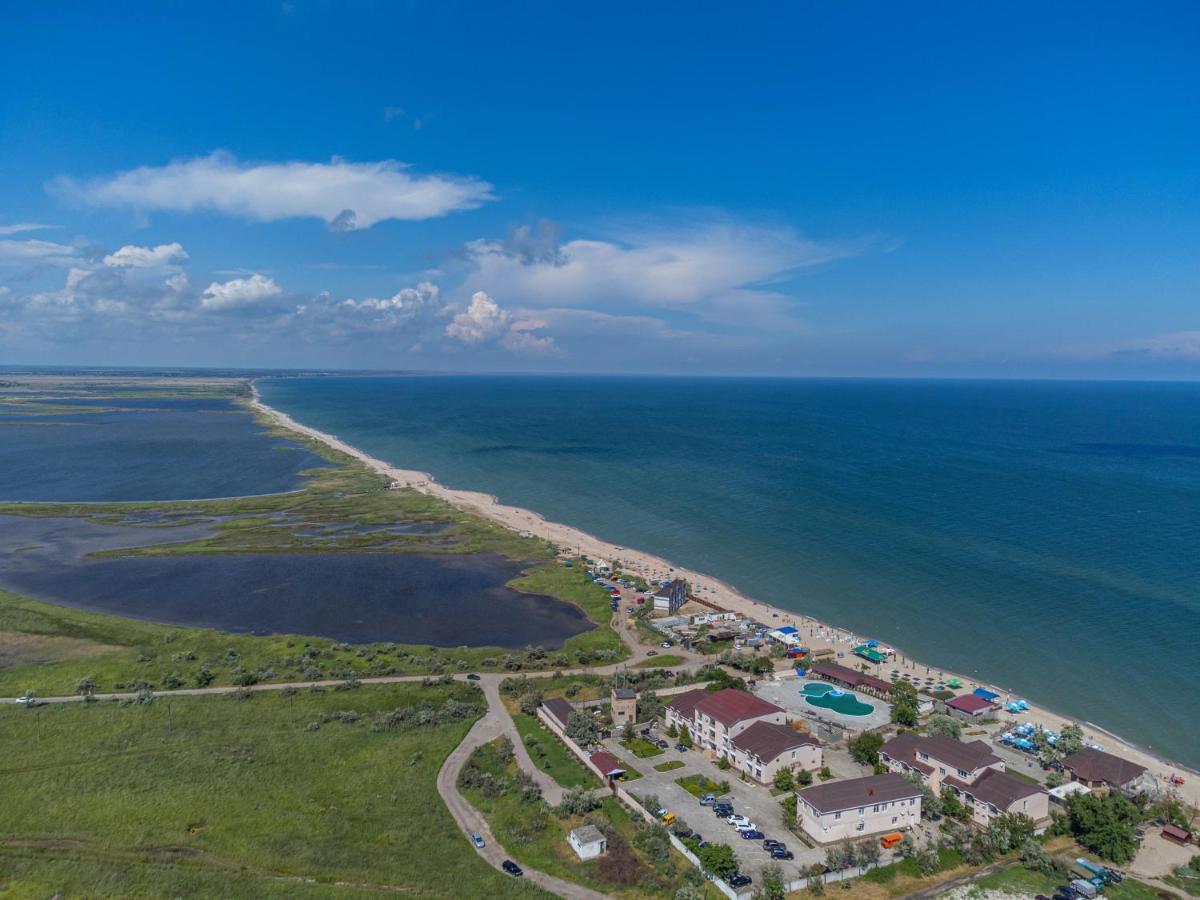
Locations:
(217, 797)
(670, 765)
(699, 785)
(1016, 879)
(550, 755)
(641, 748)
(665, 661)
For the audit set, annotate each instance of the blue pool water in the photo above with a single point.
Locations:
(1032, 532)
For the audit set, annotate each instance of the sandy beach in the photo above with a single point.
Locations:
(817, 635)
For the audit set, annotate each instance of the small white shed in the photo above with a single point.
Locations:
(587, 841)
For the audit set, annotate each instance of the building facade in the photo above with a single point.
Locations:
(766, 748)
(858, 807)
(669, 597)
(624, 706)
(714, 718)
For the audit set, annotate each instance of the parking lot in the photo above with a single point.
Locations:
(751, 800)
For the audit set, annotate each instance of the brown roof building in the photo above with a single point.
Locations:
(858, 807)
(839, 796)
(847, 677)
(560, 710)
(1098, 769)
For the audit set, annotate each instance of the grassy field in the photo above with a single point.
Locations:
(220, 797)
(1017, 880)
(665, 661)
(537, 837)
(551, 756)
(641, 748)
(699, 785)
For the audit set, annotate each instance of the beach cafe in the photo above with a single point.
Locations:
(785, 635)
(869, 653)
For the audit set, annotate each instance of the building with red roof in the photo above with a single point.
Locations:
(969, 707)
(714, 718)
(606, 764)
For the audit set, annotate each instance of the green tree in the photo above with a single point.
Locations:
(685, 738)
(719, 859)
(85, 687)
(789, 804)
(816, 879)
(784, 780)
(672, 731)
(1055, 778)
(904, 702)
(803, 778)
(1105, 824)
(771, 884)
(940, 723)
(953, 807)
(530, 703)
(582, 729)
(865, 747)
(1070, 740)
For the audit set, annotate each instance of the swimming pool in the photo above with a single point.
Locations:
(826, 696)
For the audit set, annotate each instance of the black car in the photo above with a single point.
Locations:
(771, 843)
(511, 868)
(739, 880)
(472, 677)
(782, 853)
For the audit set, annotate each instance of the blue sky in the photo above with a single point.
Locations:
(954, 189)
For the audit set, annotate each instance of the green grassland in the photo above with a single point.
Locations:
(548, 753)
(280, 794)
(1017, 880)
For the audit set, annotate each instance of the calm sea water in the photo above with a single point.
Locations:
(1043, 535)
(144, 449)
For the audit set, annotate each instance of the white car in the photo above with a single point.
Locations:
(749, 826)
(738, 821)
(25, 700)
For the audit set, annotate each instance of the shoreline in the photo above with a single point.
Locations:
(653, 568)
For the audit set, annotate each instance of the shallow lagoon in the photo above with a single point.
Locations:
(442, 600)
(144, 449)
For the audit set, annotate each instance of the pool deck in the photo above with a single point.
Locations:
(787, 693)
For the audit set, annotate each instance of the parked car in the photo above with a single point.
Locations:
(661, 744)
(681, 747)
(652, 653)
(472, 677)
(707, 800)
(737, 820)
(771, 843)
(739, 880)
(751, 834)
(666, 644)
(477, 839)
(749, 826)
(511, 868)
(722, 810)
(782, 853)
(26, 700)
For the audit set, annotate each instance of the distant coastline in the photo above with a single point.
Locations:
(818, 634)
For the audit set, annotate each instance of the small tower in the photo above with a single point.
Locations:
(624, 706)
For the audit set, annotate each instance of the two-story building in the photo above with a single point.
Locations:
(971, 770)
(714, 718)
(858, 807)
(766, 748)
(669, 597)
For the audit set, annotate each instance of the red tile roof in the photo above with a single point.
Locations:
(606, 764)
(731, 705)
(969, 703)
(685, 703)
(767, 740)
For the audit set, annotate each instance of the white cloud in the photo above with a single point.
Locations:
(484, 321)
(22, 227)
(147, 257)
(1176, 346)
(347, 196)
(35, 251)
(239, 292)
(715, 271)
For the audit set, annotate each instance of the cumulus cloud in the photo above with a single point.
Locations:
(485, 322)
(22, 227)
(239, 292)
(715, 270)
(147, 257)
(345, 195)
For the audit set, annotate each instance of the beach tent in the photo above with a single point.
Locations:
(867, 653)
(989, 696)
(954, 683)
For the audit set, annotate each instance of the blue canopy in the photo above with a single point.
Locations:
(986, 695)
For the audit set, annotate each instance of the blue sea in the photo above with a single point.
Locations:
(1045, 535)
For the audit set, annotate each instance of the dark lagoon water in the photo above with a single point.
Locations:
(149, 449)
(447, 601)
(1045, 535)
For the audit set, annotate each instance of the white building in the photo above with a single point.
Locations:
(601, 567)
(587, 841)
(858, 807)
